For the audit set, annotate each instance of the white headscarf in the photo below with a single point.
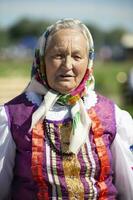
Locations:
(81, 121)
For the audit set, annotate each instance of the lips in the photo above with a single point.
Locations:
(66, 76)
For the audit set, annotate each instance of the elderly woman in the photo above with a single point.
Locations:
(59, 138)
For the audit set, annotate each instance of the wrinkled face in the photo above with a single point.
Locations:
(66, 60)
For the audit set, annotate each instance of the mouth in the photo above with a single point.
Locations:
(66, 76)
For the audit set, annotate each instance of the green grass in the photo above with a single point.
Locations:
(105, 75)
(107, 83)
(15, 68)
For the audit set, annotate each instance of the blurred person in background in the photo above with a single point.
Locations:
(59, 139)
(127, 89)
(130, 86)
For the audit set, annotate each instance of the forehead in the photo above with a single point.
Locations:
(67, 37)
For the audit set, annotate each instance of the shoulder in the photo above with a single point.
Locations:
(20, 99)
(104, 99)
(96, 100)
(124, 122)
(27, 98)
(104, 106)
(20, 108)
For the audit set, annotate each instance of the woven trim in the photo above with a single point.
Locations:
(37, 160)
(102, 154)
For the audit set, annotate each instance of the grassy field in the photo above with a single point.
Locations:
(110, 81)
(15, 75)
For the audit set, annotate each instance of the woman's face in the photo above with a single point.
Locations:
(66, 60)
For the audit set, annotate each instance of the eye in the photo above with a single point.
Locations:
(58, 56)
(77, 57)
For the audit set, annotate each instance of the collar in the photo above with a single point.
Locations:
(61, 111)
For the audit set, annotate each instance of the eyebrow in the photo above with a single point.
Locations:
(77, 51)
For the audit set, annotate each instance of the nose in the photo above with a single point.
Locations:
(68, 62)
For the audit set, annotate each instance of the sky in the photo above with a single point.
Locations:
(105, 14)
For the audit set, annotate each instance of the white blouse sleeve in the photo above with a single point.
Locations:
(7, 155)
(122, 151)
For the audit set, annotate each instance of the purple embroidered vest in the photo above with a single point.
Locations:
(23, 186)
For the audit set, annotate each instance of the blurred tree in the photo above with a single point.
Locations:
(113, 37)
(30, 27)
(4, 38)
(27, 27)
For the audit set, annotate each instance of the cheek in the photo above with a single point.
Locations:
(49, 69)
(52, 66)
(81, 71)
(51, 73)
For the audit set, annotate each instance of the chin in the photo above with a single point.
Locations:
(65, 90)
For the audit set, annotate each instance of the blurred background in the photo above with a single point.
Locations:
(110, 22)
